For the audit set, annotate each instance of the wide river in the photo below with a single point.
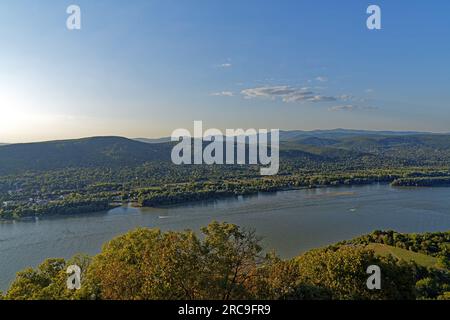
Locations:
(289, 222)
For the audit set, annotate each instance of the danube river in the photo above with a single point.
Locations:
(289, 222)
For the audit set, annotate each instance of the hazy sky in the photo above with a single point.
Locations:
(145, 68)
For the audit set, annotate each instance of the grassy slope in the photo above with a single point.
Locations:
(419, 258)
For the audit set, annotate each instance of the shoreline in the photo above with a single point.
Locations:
(135, 204)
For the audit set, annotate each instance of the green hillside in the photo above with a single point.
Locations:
(88, 152)
(301, 149)
(403, 254)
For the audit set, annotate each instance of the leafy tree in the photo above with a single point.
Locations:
(231, 258)
(146, 264)
(342, 272)
(149, 264)
(48, 282)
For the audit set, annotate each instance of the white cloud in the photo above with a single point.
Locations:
(299, 96)
(320, 98)
(351, 108)
(322, 79)
(268, 92)
(287, 94)
(222, 94)
(346, 97)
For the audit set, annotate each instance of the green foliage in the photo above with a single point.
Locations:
(432, 272)
(422, 182)
(93, 152)
(431, 243)
(342, 272)
(403, 254)
(434, 284)
(226, 263)
(148, 264)
(48, 282)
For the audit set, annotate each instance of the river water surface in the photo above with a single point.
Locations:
(289, 222)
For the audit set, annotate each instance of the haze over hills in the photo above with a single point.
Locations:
(342, 133)
(318, 146)
(155, 140)
(286, 135)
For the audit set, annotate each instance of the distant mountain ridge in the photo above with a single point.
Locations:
(154, 140)
(312, 146)
(286, 135)
(342, 133)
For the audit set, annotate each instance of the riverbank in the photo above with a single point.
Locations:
(99, 198)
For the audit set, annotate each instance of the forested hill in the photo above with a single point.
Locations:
(420, 149)
(88, 152)
(341, 133)
(353, 149)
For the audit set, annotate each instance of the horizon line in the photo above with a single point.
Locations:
(168, 137)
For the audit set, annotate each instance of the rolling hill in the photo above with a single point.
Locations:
(340, 133)
(87, 152)
(336, 146)
(156, 140)
(403, 254)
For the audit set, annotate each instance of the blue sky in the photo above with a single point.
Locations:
(145, 68)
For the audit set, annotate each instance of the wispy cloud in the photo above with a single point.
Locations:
(222, 94)
(350, 108)
(225, 64)
(320, 98)
(269, 92)
(286, 94)
(322, 79)
(346, 97)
